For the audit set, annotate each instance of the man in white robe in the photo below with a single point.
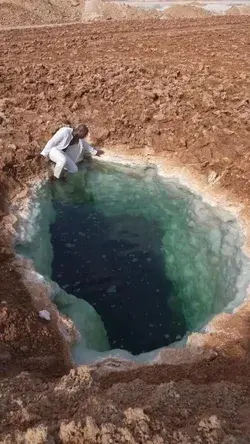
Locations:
(67, 148)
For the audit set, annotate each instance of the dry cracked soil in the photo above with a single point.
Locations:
(176, 90)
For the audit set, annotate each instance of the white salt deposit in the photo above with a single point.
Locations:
(44, 314)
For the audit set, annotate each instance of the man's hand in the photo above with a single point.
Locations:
(99, 152)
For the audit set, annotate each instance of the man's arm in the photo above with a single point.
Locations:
(54, 141)
(86, 148)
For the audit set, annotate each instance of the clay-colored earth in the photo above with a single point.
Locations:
(179, 91)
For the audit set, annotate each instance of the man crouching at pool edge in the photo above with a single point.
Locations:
(67, 147)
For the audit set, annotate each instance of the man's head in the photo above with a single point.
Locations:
(81, 131)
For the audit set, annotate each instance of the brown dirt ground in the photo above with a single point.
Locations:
(180, 91)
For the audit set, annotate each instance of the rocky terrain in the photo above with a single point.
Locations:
(173, 90)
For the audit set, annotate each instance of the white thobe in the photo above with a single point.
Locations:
(63, 154)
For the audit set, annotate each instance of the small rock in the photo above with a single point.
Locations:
(44, 314)
(212, 177)
(75, 106)
(228, 131)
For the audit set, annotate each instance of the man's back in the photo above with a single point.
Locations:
(60, 140)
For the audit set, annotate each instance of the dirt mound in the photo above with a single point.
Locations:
(185, 11)
(99, 10)
(14, 15)
(124, 11)
(239, 10)
(23, 12)
(96, 10)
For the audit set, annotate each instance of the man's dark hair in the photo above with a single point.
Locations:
(82, 130)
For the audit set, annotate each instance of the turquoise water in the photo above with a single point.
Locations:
(151, 259)
(116, 263)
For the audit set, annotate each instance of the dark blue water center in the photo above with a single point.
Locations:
(117, 265)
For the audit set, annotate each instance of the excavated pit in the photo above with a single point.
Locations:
(140, 261)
